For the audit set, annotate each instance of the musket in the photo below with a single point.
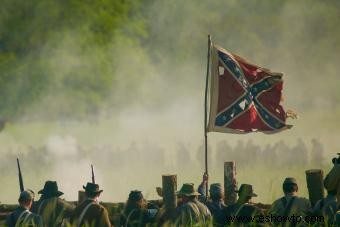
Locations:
(93, 177)
(21, 183)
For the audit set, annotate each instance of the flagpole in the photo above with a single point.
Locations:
(206, 114)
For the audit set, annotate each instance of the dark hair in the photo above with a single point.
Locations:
(21, 200)
(92, 194)
(135, 196)
(332, 192)
(289, 188)
(134, 204)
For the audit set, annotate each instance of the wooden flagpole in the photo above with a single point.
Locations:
(206, 114)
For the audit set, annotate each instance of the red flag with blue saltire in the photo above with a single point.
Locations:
(244, 97)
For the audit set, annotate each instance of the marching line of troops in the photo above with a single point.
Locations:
(195, 207)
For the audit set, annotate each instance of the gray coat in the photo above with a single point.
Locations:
(192, 213)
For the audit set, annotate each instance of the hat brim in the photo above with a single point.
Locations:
(57, 193)
(252, 194)
(93, 192)
(188, 194)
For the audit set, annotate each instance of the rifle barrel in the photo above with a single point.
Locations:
(93, 177)
(21, 183)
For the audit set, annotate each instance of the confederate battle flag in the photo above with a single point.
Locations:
(244, 97)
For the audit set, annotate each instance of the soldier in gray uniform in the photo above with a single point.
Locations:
(215, 202)
(326, 207)
(291, 204)
(137, 212)
(22, 215)
(332, 183)
(90, 212)
(242, 211)
(332, 180)
(191, 212)
(52, 208)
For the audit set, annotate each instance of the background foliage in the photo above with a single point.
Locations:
(76, 58)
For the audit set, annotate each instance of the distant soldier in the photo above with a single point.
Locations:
(191, 212)
(136, 212)
(215, 203)
(332, 180)
(22, 216)
(90, 212)
(290, 204)
(317, 152)
(3, 122)
(300, 152)
(52, 208)
(326, 207)
(243, 211)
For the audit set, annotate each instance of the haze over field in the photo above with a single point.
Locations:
(120, 84)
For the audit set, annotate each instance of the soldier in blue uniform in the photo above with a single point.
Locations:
(22, 215)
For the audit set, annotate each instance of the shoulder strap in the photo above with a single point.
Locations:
(199, 212)
(83, 213)
(322, 203)
(239, 209)
(128, 217)
(40, 206)
(195, 207)
(19, 220)
(27, 216)
(284, 202)
(289, 206)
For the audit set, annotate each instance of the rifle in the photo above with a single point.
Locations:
(93, 177)
(21, 183)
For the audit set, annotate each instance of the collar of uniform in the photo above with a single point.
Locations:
(23, 208)
(332, 197)
(92, 200)
(289, 195)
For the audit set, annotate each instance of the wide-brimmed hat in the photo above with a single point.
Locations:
(188, 190)
(216, 189)
(247, 190)
(290, 180)
(92, 189)
(135, 195)
(50, 189)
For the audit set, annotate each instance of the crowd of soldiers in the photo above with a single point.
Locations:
(195, 207)
(245, 153)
